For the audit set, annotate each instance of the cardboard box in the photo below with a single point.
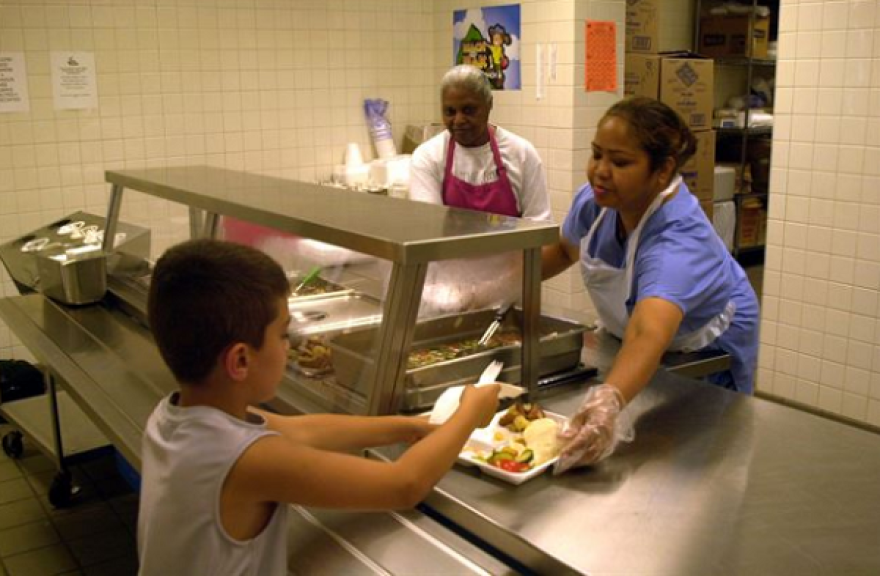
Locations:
(687, 84)
(650, 29)
(709, 208)
(722, 36)
(751, 223)
(641, 75)
(683, 80)
(699, 172)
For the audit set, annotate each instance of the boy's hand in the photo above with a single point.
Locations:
(483, 400)
(417, 429)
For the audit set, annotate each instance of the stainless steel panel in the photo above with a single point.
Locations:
(331, 315)
(112, 371)
(559, 347)
(715, 483)
(21, 262)
(389, 228)
(79, 278)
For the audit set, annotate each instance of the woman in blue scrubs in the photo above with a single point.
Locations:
(657, 272)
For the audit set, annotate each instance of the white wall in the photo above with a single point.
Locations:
(820, 328)
(269, 86)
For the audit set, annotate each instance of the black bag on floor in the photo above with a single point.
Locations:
(19, 379)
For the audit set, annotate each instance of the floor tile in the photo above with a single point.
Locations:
(125, 566)
(20, 512)
(112, 486)
(47, 561)
(91, 550)
(13, 490)
(86, 521)
(42, 481)
(100, 468)
(36, 463)
(27, 537)
(9, 471)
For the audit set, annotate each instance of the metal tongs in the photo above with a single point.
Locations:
(496, 323)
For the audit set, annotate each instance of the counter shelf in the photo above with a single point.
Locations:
(393, 243)
(112, 370)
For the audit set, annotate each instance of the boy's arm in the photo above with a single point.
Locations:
(343, 433)
(274, 469)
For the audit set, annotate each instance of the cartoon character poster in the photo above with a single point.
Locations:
(489, 39)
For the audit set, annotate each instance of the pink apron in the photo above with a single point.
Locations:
(495, 197)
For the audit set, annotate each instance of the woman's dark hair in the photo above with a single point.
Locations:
(659, 130)
(207, 295)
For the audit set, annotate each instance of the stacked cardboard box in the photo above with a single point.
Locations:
(726, 36)
(685, 82)
(659, 65)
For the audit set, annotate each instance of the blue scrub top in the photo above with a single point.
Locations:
(681, 259)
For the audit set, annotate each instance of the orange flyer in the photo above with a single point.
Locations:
(601, 57)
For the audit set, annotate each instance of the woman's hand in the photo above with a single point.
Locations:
(594, 431)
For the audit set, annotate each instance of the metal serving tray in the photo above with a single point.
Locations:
(317, 289)
(332, 315)
(559, 349)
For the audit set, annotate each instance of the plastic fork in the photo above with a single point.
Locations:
(496, 323)
(491, 372)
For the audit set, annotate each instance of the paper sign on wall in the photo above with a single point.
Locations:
(601, 57)
(73, 80)
(13, 83)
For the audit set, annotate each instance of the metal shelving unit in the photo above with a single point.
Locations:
(745, 254)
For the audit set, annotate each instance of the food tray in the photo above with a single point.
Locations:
(559, 349)
(484, 440)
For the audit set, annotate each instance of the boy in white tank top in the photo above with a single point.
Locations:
(217, 472)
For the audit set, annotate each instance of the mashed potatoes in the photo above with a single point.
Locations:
(540, 437)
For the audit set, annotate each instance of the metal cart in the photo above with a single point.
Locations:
(44, 420)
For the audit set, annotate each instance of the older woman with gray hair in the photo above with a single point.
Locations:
(476, 165)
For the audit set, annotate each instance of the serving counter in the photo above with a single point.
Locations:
(715, 483)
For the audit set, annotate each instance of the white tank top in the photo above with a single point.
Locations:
(187, 454)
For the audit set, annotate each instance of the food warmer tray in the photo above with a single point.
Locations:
(331, 315)
(559, 349)
(316, 289)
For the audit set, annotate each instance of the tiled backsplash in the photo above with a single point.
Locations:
(820, 327)
(267, 86)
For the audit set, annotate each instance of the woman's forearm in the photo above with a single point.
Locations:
(555, 259)
(649, 332)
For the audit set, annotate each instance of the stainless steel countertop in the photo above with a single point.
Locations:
(406, 232)
(715, 483)
(111, 368)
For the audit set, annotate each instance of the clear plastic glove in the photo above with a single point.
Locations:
(593, 433)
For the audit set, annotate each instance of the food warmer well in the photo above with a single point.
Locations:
(356, 326)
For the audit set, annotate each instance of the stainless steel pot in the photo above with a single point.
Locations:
(75, 276)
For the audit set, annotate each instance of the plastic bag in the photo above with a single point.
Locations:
(375, 111)
(19, 379)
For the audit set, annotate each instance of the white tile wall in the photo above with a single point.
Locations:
(820, 339)
(268, 86)
(562, 124)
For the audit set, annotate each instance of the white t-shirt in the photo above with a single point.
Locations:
(187, 454)
(477, 166)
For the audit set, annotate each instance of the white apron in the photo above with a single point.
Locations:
(610, 287)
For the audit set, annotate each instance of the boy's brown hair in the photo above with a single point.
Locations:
(205, 296)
